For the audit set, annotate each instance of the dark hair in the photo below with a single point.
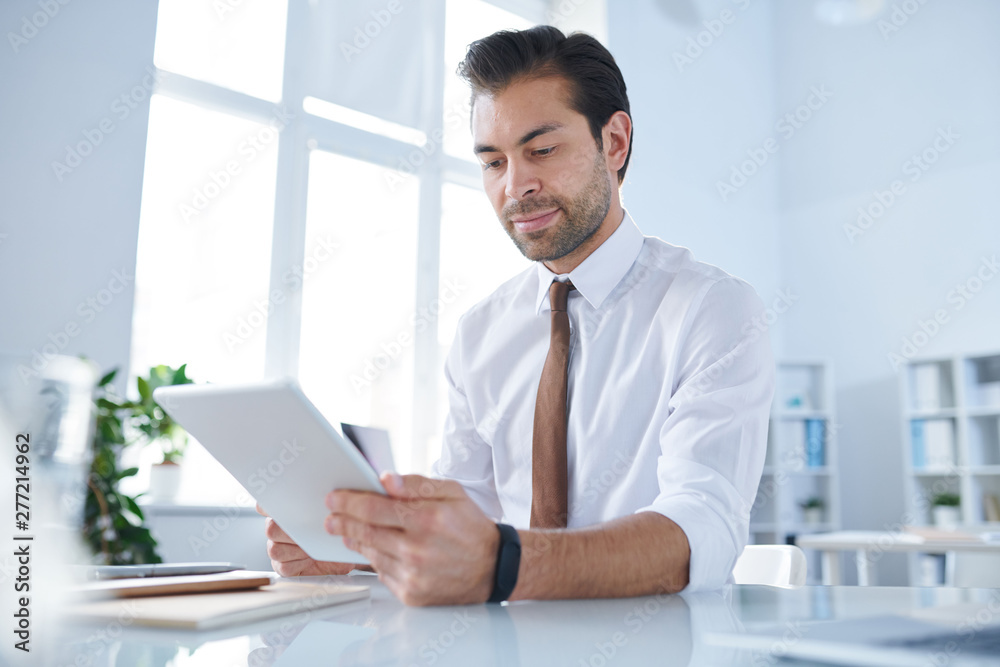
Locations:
(597, 87)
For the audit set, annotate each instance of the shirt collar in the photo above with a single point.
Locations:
(601, 271)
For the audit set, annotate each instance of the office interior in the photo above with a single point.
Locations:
(230, 185)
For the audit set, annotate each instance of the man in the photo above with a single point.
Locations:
(610, 402)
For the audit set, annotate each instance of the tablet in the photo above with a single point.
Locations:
(275, 442)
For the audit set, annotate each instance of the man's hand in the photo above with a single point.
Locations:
(289, 560)
(429, 542)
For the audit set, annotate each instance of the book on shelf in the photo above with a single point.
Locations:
(926, 387)
(939, 443)
(991, 508)
(917, 448)
(815, 443)
(932, 443)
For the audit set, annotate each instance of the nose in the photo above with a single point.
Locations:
(522, 181)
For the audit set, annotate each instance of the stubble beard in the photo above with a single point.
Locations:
(582, 217)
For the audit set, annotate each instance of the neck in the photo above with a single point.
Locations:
(570, 261)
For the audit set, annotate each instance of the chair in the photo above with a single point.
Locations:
(781, 565)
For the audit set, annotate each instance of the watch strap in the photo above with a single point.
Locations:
(508, 563)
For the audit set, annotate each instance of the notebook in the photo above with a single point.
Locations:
(171, 585)
(204, 611)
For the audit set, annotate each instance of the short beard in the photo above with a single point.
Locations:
(583, 217)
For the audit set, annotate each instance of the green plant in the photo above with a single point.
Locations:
(812, 502)
(113, 521)
(946, 500)
(150, 418)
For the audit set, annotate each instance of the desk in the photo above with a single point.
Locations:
(661, 630)
(869, 544)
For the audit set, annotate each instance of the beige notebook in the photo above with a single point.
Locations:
(190, 583)
(202, 611)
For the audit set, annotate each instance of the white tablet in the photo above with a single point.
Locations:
(281, 449)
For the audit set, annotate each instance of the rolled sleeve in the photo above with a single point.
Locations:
(714, 438)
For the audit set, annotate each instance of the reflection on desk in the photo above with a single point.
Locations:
(662, 630)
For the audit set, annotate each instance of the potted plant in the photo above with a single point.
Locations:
(812, 510)
(113, 521)
(946, 510)
(162, 431)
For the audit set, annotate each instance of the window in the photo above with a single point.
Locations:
(299, 220)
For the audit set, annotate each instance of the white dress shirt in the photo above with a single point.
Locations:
(670, 385)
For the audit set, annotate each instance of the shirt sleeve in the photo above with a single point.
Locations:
(465, 456)
(714, 438)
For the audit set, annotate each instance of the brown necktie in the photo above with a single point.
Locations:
(548, 441)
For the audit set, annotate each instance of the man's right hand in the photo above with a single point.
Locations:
(289, 560)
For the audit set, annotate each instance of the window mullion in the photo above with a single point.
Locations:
(288, 243)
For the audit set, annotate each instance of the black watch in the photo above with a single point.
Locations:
(508, 562)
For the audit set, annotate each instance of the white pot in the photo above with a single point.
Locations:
(164, 481)
(813, 515)
(947, 518)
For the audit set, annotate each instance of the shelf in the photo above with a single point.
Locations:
(789, 415)
(938, 472)
(942, 413)
(963, 390)
(803, 394)
(983, 411)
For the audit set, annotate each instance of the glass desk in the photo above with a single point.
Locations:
(661, 630)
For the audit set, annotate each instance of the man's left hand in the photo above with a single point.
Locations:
(428, 541)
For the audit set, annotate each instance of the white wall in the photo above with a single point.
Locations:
(66, 239)
(692, 123)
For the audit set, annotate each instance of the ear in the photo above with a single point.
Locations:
(617, 137)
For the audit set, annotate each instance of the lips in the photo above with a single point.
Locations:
(535, 223)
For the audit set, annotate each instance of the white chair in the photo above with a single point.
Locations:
(782, 565)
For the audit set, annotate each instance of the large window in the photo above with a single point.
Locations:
(311, 206)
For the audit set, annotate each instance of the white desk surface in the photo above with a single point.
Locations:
(661, 630)
(885, 541)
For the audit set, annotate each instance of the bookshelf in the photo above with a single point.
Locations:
(801, 460)
(951, 442)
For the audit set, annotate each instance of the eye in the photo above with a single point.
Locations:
(491, 165)
(542, 152)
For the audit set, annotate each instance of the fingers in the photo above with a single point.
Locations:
(414, 487)
(282, 551)
(274, 532)
(370, 507)
(260, 510)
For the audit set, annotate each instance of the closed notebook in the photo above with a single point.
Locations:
(203, 611)
(171, 585)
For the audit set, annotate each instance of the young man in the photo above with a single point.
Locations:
(610, 402)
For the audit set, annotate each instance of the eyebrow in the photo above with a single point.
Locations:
(540, 130)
